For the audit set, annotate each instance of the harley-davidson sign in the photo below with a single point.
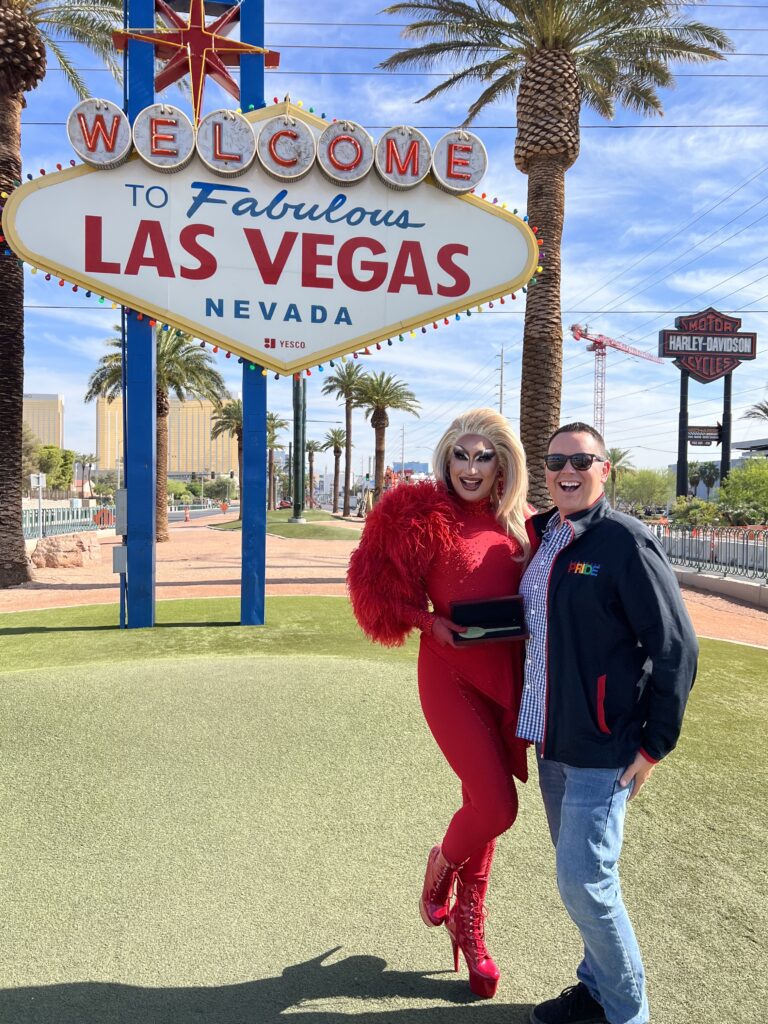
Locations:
(708, 344)
(266, 234)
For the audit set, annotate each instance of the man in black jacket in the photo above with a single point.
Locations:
(609, 666)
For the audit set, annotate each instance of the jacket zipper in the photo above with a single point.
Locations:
(546, 645)
(601, 722)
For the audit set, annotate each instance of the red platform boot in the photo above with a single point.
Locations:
(466, 924)
(438, 887)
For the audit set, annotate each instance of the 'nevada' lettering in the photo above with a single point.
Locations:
(241, 310)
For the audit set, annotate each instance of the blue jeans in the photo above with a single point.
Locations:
(585, 809)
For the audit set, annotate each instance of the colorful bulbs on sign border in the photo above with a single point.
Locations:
(412, 332)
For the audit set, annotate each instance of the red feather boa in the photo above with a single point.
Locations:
(386, 572)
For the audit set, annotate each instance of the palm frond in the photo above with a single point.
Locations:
(622, 52)
(503, 86)
(71, 74)
(87, 22)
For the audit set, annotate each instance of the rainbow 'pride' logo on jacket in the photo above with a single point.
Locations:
(584, 568)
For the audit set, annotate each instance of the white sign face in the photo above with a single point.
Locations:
(286, 275)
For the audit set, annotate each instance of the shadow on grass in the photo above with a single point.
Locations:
(109, 627)
(229, 581)
(266, 1001)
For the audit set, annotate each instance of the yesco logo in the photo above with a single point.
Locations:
(584, 568)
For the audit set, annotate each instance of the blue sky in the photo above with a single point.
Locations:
(663, 217)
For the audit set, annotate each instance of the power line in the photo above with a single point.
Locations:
(670, 268)
(496, 127)
(420, 74)
(679, 230)
(487, 313)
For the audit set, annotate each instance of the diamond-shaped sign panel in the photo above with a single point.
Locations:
(284, 274)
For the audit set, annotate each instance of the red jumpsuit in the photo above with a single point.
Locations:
(422, 544)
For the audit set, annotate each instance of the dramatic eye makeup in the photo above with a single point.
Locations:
(486, 455)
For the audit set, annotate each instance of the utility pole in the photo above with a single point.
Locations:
(402, 457)
(501, 380)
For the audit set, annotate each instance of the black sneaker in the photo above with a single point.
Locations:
(574, 1005)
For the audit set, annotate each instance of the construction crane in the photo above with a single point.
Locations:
(599, 344)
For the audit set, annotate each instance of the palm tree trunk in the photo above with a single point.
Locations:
(347, 457)
(14, 564)
(378, 477)
(240, 477)
(336, 461)
(161, 473)
(541, 383)
(271, 478)
(311, 480)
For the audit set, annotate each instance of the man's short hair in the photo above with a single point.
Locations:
(582, 428)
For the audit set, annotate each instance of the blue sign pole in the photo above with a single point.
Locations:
(253, 486)
(139, 373)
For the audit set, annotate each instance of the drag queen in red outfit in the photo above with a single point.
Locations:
(462, 538)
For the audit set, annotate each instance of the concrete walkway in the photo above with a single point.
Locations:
(199, 561)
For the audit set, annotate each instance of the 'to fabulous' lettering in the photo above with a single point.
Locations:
(228, 143)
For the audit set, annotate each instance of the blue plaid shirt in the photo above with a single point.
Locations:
(533, 588)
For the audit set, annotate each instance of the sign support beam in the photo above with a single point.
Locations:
(725, 451)
(299, 444)
(140, 378)
(682, 438)
(253, 486)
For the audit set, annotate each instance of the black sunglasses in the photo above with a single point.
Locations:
(581, 461)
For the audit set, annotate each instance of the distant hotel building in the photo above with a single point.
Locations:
(44, 415)
(190, 448)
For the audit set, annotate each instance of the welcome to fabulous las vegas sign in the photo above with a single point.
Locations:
(274, 234)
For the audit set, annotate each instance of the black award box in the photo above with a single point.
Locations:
(497, 618)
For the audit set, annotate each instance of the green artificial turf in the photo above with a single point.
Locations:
(229, 826)
(295, 626)
(278, 526)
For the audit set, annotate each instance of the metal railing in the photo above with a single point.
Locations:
(724, 551)
(57, 521)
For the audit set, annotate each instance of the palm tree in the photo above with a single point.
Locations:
(29, 458)
(377, 392)
(86, 460)
(618, 458)
(759, 411)
(335, 439)
(313, 447)
(27, 27)
(275, 423)
(694, 476)
(554, 56)
(80, 461)
(343, 384)
(710, 474)
(185, 369)
(228, 419)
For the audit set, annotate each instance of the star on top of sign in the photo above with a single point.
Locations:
(196, 49)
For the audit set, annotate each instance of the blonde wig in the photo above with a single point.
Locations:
(509, 497)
